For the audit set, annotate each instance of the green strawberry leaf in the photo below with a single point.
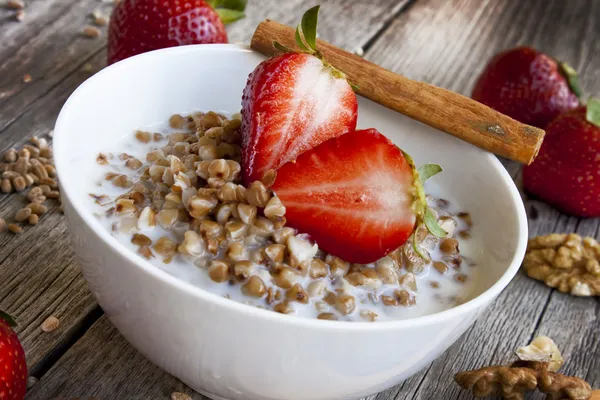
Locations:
(432, 225)
(426, 171)
(416, 246)
(235, 5)
(300, 41)
(281, 47)
(308, 27)
(571, 76)
(228, 16)
(354, 87)
(593, 111)
(10, 320)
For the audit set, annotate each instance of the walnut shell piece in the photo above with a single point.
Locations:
(562, 387)
(513, 382)
(543, 350)
(568, 263)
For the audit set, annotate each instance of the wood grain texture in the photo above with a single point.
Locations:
(37, 268)
(117, 371)
(346, 24)
(440, 108)
(441, 42)
(49, 46)
(38, 273)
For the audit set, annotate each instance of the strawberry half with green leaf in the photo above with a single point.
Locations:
(358, 196)
(13, 369)
(528, 86)
(138, 26)
(292, 103)
(566, 172)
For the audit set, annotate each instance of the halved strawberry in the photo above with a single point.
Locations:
(358, 196)
(292, 103)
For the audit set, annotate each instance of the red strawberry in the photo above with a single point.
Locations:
(13, 369)
(528, 86)
(566, 172)
(292, 103)
(137, 26)
(358, 196)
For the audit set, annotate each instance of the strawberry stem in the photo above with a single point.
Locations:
(593, 111)
(9, 319)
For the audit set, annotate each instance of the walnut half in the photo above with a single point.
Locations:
(568, 263)
(536, 368)
(509, 382)
(513, 382)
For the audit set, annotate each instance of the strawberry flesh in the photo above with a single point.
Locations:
(13, 369)
(138, 26)
(526, 85)
(566, 172)
(291, 104)
(353, 195)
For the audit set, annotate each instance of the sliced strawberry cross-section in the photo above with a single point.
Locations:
(358, 196)
(292, 103)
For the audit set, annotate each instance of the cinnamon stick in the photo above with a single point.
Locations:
(447, 111)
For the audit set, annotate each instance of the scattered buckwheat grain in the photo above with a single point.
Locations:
(50, 324)
(15, 4)
(180, 396)
(14, 228)
(91, 32)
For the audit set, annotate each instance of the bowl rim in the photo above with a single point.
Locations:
(471, 306)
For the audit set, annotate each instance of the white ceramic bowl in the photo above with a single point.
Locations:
(228, 350)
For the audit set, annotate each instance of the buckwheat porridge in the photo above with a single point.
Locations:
(172, 194)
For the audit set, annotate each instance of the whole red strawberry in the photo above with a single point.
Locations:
(566, 173)
(292, 103)
(138, 26)
(358, 196)
(13, 369)
(528, 86)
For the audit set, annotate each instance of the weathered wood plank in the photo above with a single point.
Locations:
(447, 43)
(116, 372)
(40, 277)
(49, 46)
(39, 274)
(453, 37)
(346, 24)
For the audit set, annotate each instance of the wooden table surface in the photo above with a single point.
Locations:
(444, 42)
